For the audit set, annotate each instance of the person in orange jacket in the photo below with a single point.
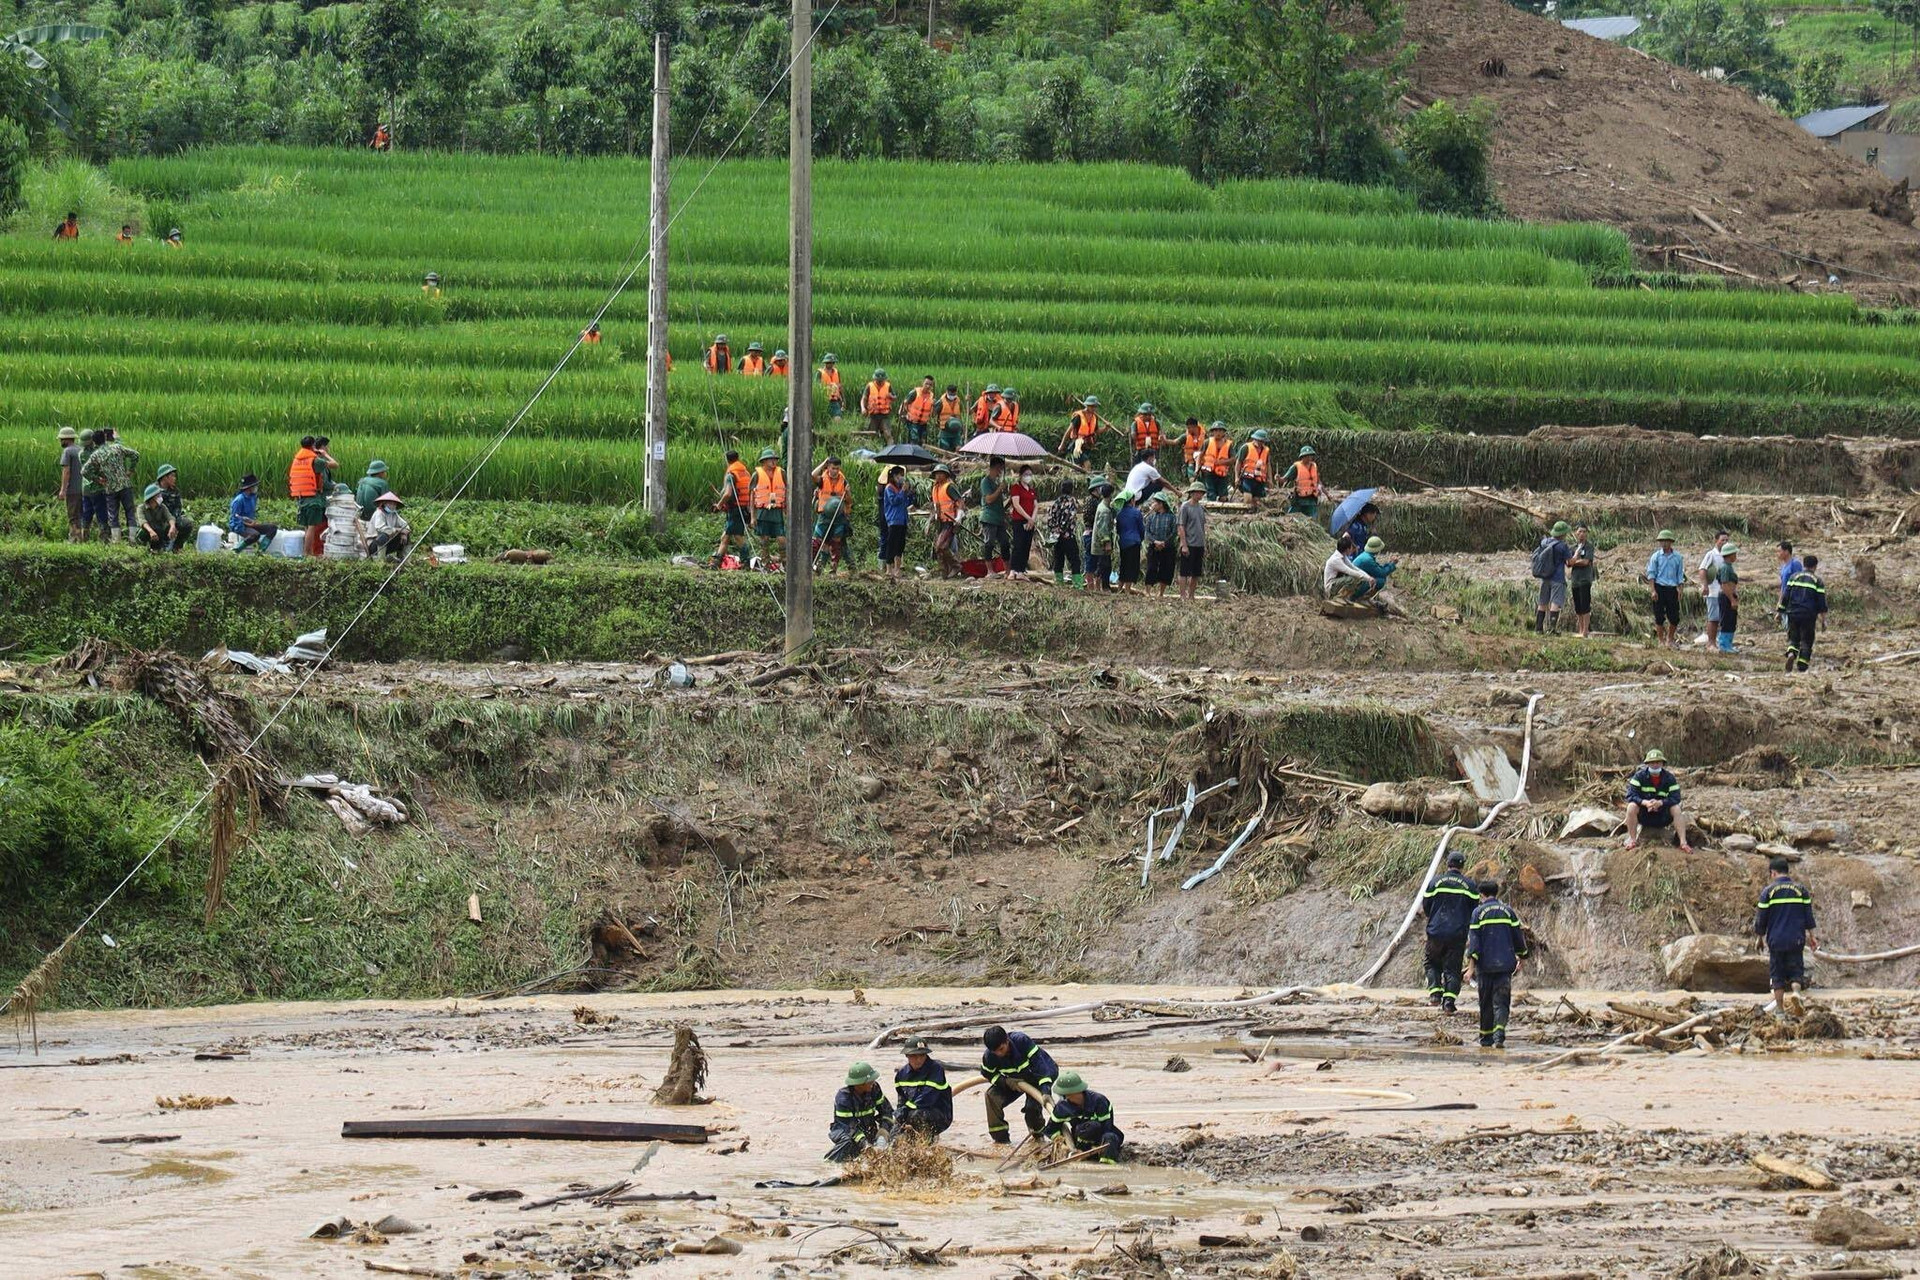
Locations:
(919, 410)
(754, 363)
(1146, 428)
(719, 355)
(877, 403)
(986, 409)
(1082, 427)
(1191, 445)
(830, 379)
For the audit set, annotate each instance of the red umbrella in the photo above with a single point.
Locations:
(1005, 444)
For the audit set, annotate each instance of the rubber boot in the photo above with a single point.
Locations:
(1079, 580)
(1540, 621)
(1059, 577)
(1726, 643)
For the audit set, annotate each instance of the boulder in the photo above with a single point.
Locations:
(1774, 849)
(1816, 833)
(1713, 962)
(1420, 802)
(1591, 822)
(1856, 1229)
(1739, 843)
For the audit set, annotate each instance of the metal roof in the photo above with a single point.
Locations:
(1604, 28)
(1835, 120)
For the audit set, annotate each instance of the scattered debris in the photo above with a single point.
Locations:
(527, 1127)
(1177, 1064)
(686, 1072)
(193, 1102)
(587, 1016)
(356, 804)
(138, 1139)
(1588, 821)
(1795, 1174)
(306, 650)
(911, 1162)
(505, 1193)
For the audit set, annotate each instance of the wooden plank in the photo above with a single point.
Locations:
(527, 1127)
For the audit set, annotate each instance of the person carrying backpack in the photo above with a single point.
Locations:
(1550, 568)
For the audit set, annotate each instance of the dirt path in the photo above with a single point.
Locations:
(1640, 1164)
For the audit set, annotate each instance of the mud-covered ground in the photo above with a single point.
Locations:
(1315, 1159)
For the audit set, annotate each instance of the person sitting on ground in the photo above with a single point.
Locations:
(69, 229)
(1063, 533)
(1130, 532)
(832, 524)
(1804, 603)
(1666, 574)
(370, 487)
(1496, 944)
(861, 1114)
(157, 531)
(1085, 1117)
(168, 478)
(896, 508)
(1370, 563)
(1253, 466)
(1653, 801)
(388, 532)
(1163, 531)
(1549, 566)
(1785, 919)
(1448, 904)
(1360, 528)
(926, 1099)
(240, 517)
(1581, 571)
(1341, 579)
(754, 363)
(1011, 1060)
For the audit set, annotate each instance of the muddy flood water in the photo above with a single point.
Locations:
(1290, 1138)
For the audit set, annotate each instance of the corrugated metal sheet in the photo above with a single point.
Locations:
(1604, 28)
(1835, 120)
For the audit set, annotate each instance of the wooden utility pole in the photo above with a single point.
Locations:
(800, 333)
(656, 487)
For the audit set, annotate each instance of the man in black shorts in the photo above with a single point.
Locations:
(1666, 571)
(1193, 539)
(1653, 801)
(1785, 919)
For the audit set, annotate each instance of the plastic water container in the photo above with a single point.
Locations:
(290, 543)
(450, 552)
(210, 538)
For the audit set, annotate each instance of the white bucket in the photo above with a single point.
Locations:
(290, 543)
(210, 538)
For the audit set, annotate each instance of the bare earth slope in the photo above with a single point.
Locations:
(1597, 131)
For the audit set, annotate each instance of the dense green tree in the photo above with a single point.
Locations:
(1730, 37)
(15, 156)
(1447, 159)
(538, 62)
(458, 58)
(388, 48)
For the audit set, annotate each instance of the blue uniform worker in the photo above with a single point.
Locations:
(1653, 800)
(1448, 904)
(1496, 946)
(926, 1099)
(1085, 1117)
(1785, 919)
(861, 1113)
(1010, 1056)
(1804, 602)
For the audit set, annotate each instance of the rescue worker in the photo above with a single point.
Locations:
(157, 531)
(754, 363)
(430, 284)
(830, 379)
(1653, 800)
(1253, 467)
(919, 410)
(1304, 476)
(370, 487)
(1007, 418)
(736, 499)
(1077, 440)
(173, 242)
(382, 139)
(1495, 947)
(831, 525)
(950, 406)
(126, 234)
(1146, 428)
(769, 488)
(1085, 1117)
(591, 334)
(951, 431)
(1804, 602)
(1010, 1056)
(168, 478)
(1192, 444)
(1785, 919)
(861, 1113)
(778, 367)
(307, 486)
(925, 1097)
(719, 355)
(69, 229)
(1448, 905)
(946, 519)
(1216, 461)
(986, 409)
(877, 403)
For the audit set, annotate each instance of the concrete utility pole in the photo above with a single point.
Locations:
(800, 334)
(656, 487)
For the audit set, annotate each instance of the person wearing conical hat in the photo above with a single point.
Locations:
(1085, 1118)
(920, 1084)
(861, 1113)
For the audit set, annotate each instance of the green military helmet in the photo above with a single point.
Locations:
(166, 469)
(1091, 402)
(1260, 435)
(376, 468)
(1376, 543)
(1665, 535)
(993, 388)
(1654, 756)
(952, 422)
(753, 347)
(829, 358)
(1306, 451)
(153, 491)
(1731, 549)
(1069, 1081)
(915, 1045)
(1561, 529)
(861, 1073)
(1217, 425)
(1146, 408)
(1010, 394)
(720, 340)
(879, 375)
(768, 455)
(779, 354)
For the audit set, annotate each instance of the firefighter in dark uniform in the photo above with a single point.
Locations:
(1785, 919)
(1085, 1117)
(861, 1113)
(926, 1099)
(1448, 904)
(1495, 946)
(1010, 1056)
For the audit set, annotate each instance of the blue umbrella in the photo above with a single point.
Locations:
(1344, 513)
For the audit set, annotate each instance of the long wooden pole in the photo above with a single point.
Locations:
(656, 475)
(799, 601)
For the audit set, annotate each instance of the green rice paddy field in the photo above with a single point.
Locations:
(295, 306)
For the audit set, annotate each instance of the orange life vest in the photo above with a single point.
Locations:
(879, 397)
(719, 359)
(301, 482)
(753, 363)
(830, 378)
(778, 368)
(592, 336)
(1218, 457)
(919, 409)
(946, 507)
(1146, 432)
(1085, 424)
(1306, 478)
(831, 487)
(1191, 444)
(771, 488)
(1006, 415)
(1253, 463)
(124, 238)
(67, 231)
(742, 481)
(950, 407)
(983, 410)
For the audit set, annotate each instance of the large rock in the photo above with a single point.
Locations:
(1590, 821)
(1420, 801)
(1713, 962)
(1856, 1229)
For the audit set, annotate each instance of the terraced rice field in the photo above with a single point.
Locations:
(295, 306)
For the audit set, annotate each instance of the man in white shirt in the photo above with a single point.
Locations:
(1339, 579)
(1145, 478)
(1710, 566)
